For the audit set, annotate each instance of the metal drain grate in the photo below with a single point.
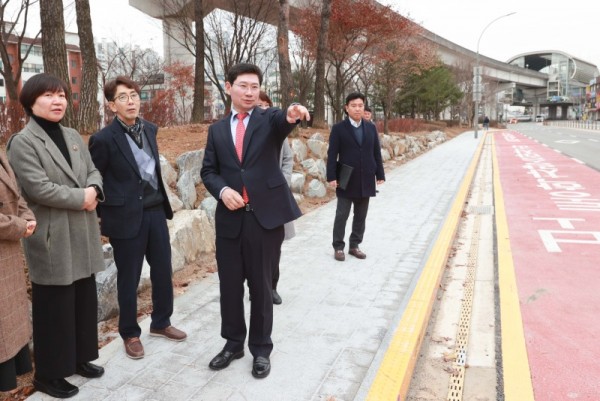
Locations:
(481, 209)
(457, 378)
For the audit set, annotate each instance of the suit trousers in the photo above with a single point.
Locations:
(65, 328)
(152, 242)
(361, 207)
(276, 261)
(248, 257)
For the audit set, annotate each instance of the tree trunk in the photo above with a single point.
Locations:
(285, 67)
(198, 105)
(319, 112)
(87, 116)
(338, 102)
(55, 50)
(386, 128)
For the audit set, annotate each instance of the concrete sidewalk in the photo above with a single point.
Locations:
(332, 330)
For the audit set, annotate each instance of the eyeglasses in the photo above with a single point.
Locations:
(245, 87)
(124, 98)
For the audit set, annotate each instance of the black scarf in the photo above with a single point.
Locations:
(134, 131)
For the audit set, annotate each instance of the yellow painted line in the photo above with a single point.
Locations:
(515, 363)
(392, 380)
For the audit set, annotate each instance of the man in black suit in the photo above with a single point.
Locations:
(355, 143)
(241, 170)
(135, 212)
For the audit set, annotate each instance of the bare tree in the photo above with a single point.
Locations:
(396, 61)
(87, 116)
(322, 45)
(55, 50)
(283, 49)
(463, 74)
(303, 72)
(229, 37)
(198, 101)
(141, 65)
(234, 39)
(11, 69)
(351, 43)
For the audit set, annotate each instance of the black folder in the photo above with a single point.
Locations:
(343, 172)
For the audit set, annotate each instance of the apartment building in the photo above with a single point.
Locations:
(34, 63)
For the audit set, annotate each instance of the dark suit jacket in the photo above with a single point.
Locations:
(268, 191)
(122, 210)
(365, 158)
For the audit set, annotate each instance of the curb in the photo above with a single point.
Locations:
(392, 380)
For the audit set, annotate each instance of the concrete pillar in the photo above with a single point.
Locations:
(173, 50)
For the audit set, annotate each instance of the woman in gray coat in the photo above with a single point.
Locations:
(16, 222)
(61, 186)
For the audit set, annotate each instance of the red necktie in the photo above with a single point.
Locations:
(240, 130)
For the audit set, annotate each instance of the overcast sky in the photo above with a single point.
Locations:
(569, 26)
(537, 25)
(117, 21)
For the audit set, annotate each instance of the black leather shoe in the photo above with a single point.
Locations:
(89, 370)
(58, 388)
(261, 367)
(224, 358)
(276, 298)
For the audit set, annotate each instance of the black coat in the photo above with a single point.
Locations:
(268, 191)
(365, 158)
(122, 210)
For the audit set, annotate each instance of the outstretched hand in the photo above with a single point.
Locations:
(297, 112)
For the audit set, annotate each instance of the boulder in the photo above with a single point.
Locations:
(191, 162)
(176, 203)
(316, 189)
(318, 147)
(186, 186)
(297, 185)
(299, 149)
(169, 174)
(192, 234)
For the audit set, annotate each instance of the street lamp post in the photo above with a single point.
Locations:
(477, 84)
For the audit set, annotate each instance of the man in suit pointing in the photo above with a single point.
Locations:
(241, 170)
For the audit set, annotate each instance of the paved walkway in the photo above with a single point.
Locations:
(337, 319)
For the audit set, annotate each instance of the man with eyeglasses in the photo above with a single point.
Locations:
(241, 170)
(134, 213)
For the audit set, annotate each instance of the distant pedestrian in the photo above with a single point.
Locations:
(486, 123)
(368, 115)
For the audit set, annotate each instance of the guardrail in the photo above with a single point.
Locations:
(591, 125)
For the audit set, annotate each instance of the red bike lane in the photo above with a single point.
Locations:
(552, 206)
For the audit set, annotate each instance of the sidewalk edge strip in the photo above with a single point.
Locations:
(393, 377)
(515, 363)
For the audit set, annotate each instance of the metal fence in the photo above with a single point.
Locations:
(590, 125)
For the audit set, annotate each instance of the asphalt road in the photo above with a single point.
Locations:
(580, 144)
